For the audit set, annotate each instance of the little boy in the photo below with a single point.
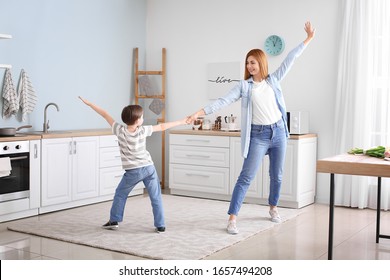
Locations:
(136, 162)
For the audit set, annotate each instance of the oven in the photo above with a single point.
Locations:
(16, 183)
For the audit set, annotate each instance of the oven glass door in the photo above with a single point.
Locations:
(19, 179)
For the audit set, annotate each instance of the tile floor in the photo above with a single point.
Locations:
(302, 238)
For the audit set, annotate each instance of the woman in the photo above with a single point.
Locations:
(263, 124)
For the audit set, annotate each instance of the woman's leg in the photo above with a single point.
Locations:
(258, 147)
(277, 153)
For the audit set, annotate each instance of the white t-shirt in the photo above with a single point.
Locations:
(265, 109)
(132, 145)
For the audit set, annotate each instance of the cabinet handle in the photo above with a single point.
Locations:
(75, 147)
(197, 156)
(198, 175)
(198, 140)
(35, 151)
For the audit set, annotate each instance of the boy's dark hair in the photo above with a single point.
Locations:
(131, 113)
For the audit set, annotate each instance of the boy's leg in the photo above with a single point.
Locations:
(126, 185)
(152, 184)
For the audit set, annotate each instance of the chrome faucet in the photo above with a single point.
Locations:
(45, 121)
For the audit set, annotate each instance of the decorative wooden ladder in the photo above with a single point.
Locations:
(158, 95)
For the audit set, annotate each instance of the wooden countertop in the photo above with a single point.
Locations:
(354, 165)
(229, 133)
(37, 135)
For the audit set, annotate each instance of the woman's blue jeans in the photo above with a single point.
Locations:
(132, 177)
(264, 139)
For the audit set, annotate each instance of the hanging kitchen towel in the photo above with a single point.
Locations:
(10, 98)
(157, 106)
(27, 95)
(5, 166)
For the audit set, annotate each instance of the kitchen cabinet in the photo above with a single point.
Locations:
(199, 164)
(110, 167)
(69, 171)
(299, 177)
(192, 169)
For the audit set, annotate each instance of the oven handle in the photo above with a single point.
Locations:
(18, 158)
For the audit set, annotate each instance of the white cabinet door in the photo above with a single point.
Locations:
(69, 169)
(35, 174)
(85, 161)
(299, 175)
(56, 171)
(236, 161)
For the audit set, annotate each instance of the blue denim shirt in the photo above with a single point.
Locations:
(243, 90)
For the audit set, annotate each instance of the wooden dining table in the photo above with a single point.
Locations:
(349, 164)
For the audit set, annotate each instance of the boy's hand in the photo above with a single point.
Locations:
(184, 121)
(85, 101)
(188, 120)
(99, 110)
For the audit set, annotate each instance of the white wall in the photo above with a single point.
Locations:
(199, 32)
(71, 48)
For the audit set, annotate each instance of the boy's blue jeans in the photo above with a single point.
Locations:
(264, 139)
(149, 177)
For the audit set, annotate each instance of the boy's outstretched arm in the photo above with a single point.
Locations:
(168, 125)
(99, 110)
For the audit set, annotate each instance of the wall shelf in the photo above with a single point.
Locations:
(5, 66)
(5, 36)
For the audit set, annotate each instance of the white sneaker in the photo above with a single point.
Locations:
(232, 227)
(275, 216)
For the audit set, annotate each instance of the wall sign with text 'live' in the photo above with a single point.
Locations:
(221, 77)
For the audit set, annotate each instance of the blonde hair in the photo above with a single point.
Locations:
(261, 58)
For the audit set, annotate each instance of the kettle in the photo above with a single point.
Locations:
(231, 119)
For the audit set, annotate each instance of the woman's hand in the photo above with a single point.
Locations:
(194, 116)
(310, 31)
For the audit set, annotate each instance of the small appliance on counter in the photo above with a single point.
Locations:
(298, 122)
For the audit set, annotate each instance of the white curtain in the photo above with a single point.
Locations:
(363, 95)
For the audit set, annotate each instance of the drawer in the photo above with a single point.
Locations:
(199, 178)
(110, 178)
(108, 141)
(199, 140)
(110, 156)
(205, 156)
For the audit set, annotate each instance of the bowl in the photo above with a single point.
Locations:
(196, 126)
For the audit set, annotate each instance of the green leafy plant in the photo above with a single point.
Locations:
(378, 152)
